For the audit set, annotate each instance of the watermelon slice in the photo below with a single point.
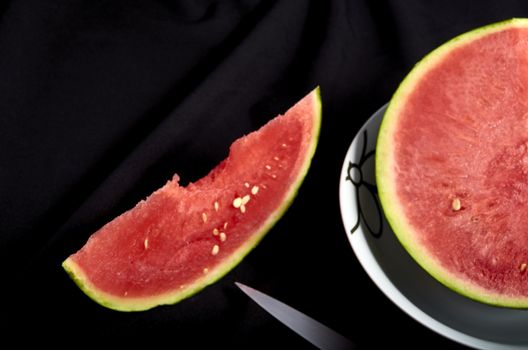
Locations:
(181, 239)
(452, 163)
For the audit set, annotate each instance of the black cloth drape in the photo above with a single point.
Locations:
(102, 101)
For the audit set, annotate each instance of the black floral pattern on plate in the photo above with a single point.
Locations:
(355, 176)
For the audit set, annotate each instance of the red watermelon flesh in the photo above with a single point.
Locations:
(453, 155)
(181, 239)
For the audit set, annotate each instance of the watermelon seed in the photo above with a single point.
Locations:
(216, 206)
(268, 167)
(243, 208)
(245, 199)
(215, 250)
(246, 184)
(273, 176)
(215, 232)
(254, 190)
(522, 267)
(204, 217)
(237, 202)
(145, 243)
(456, 205)
(283, 145)
(223, 236)
(276, 158)
(225, 225)
(205, 270)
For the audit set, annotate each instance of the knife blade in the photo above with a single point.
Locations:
(312, 330)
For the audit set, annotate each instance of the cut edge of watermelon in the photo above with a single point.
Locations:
(140, 304)
(384, 162)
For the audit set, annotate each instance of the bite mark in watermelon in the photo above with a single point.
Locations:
(452, 163)
(181, 239)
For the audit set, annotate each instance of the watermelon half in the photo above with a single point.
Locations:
(452, 163)
(181, 239)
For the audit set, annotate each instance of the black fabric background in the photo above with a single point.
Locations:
(102, 101)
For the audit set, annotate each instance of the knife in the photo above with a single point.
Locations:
(314, 331)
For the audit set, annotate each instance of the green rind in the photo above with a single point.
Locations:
(140, 304)
(386, 184)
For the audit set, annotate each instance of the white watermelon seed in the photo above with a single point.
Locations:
(205, 270)
(225, 225)
(254, 190)
(215, 232)
(223, 236)
(456, 205)
(268, 167)
(145, 243)
(215, 250)
(216, 206)
(237, 202)
(273, 176)
(204, 217)
(246, 184)
(283, 145)
(245, 199)
(276, 158)
(243, 208)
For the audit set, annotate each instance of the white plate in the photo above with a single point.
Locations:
(399, 277)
